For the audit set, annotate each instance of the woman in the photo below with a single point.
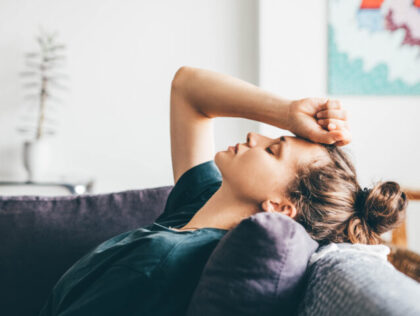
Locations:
(154, 270)
(313, 183)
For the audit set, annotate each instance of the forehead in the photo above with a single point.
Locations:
(308, 151)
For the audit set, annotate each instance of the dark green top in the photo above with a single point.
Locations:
(147, 271)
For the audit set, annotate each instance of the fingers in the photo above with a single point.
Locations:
(332, 109)
(340, 114)
(324, 137)
(333, 118)
(335, 132)
(336, 137)
(332, 124)
(330, 105)
(343, 137)
(322, 121)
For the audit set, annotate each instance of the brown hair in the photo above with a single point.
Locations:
(332, 206)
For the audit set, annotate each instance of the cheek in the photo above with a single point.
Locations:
(254, 174)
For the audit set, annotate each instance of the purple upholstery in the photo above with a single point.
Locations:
(41, 237)
(258, 268)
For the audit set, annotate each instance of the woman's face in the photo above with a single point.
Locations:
(263, 166)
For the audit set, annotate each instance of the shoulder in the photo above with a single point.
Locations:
(195, 179)
(191, 191)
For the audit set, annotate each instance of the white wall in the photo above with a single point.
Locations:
(122, 55)
(385, 130)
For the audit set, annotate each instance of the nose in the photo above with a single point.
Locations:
(250, 139)
(255, 139)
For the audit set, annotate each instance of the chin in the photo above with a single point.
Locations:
(216, 158)
(219, 160)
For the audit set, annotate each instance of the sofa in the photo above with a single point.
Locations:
(41, 237)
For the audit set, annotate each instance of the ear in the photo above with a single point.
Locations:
(284, 207)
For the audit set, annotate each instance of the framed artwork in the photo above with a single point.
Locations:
(374, 47)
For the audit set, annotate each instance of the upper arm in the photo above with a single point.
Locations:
(192, 140)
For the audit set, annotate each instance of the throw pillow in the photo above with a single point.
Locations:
(258, 268)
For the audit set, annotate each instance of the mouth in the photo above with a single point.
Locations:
(233, 149)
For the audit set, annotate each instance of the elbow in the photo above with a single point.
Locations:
(181, 75)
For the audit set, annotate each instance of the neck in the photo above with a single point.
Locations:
(223, 210)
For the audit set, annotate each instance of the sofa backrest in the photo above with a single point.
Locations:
(41, 237)
(350, 283)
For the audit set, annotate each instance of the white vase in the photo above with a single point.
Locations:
(36, 158)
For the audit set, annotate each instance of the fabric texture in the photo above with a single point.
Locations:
(258, 268)
(191, 191)
(41, 237)
(147, 271)
(381, 251)
(347, 280)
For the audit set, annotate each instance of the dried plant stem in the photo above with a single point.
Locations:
(42, 77)
(42, 99)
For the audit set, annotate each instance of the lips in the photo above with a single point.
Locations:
(233, 149)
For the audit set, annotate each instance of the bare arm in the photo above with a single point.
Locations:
(216, 95)
(198, 95)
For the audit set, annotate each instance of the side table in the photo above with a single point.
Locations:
(77, 187)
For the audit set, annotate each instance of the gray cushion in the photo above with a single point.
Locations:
(41, 237)
(350, 283)
(258, 268)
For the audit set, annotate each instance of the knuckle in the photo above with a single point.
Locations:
(338, 113)
(331, 103)
(338, 122)
(338, 104)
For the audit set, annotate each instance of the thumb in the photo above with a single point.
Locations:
(325, 137)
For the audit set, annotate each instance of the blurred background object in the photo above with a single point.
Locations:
(373, 47)
(122, 55)
(41, 79)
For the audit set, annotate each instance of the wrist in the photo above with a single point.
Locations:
(285, 113)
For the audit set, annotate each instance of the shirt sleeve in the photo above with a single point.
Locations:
(190, 192)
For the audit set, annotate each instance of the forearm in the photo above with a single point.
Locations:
(219, 95)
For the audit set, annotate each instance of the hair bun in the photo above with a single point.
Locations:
(361, 197)
(382, 207)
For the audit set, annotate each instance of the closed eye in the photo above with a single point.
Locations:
(268, 149)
